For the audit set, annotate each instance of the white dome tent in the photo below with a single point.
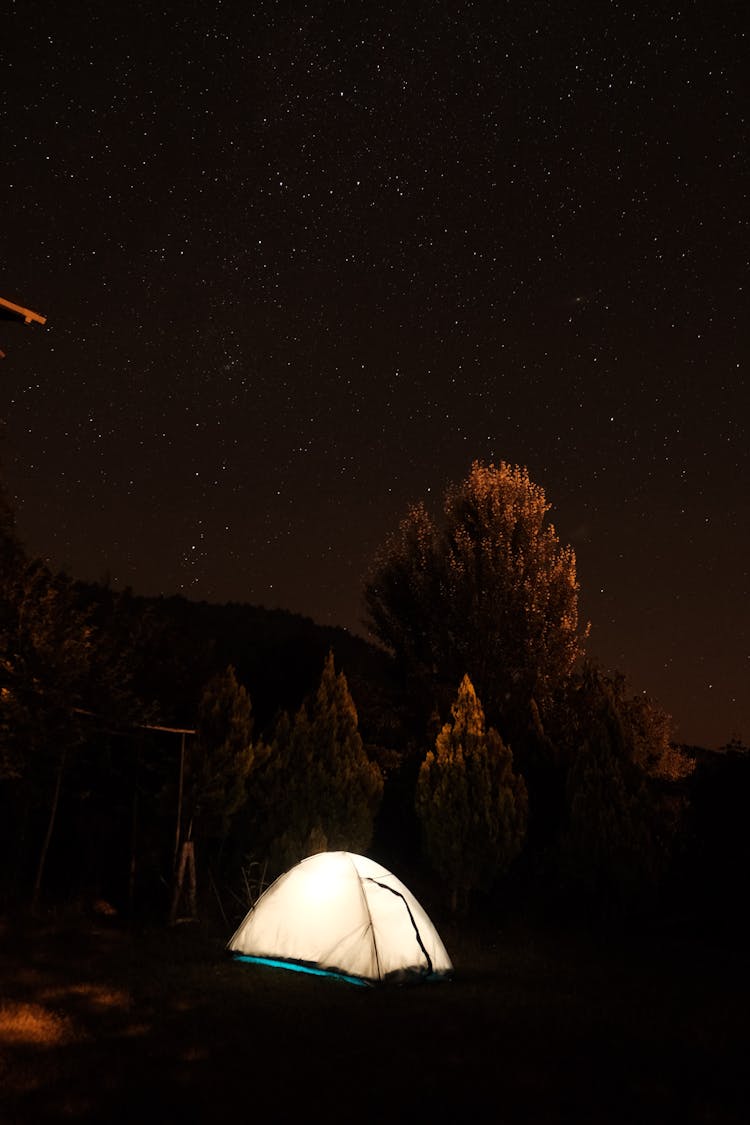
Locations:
(340, 913)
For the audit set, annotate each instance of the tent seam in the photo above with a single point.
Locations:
(360, 880)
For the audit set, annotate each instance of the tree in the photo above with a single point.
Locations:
(487, 589)
(66, 664)
(717, 858)
(620, 819)
(46, 652)
(217, 765)
(221, 755)
(317, 789)
(12, 565)
(471, 806)
(12, 554)
(651, 736)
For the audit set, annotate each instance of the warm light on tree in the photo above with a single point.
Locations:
(471, 806)
(487, 589)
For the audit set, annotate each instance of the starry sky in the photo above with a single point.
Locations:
(302, 263)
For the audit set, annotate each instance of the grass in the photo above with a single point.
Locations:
(101, 1024)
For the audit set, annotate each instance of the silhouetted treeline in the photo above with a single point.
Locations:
(711, 869)
(115, 827)
(149, 741)
(89, 783)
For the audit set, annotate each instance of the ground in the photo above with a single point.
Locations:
(104, 1022)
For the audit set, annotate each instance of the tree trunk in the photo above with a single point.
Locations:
(48, 835)
(133, 836)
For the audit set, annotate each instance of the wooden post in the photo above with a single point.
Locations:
(179, 802)
(186, 867)
(134, 830)
(48, 834)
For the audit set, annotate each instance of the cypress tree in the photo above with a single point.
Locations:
(316, 788)
(471, 806)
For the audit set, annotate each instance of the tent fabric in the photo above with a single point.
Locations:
(345, 913)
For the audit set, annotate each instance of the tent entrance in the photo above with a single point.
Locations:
(415, 927)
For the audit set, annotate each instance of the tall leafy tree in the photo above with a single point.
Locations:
(317, 789)
(622, 815)
(487, 589)
(64, 687)
(46, 654)
(471, 806)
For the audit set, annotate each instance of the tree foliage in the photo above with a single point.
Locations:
(622, 815)
(13, 564)
(471, 805)
(221, 755)
(46, 669)
(45, 651)
(316, 788)
(486, 589)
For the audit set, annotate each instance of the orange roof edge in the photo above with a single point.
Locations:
(27, 314)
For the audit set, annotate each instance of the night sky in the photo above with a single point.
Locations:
(302, 263)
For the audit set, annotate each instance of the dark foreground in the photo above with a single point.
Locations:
(98, 1024)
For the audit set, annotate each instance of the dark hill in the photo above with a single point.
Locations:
(175, 645)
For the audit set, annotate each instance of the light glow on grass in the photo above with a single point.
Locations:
(97, 997)
(33, 1025)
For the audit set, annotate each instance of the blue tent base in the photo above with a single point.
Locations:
(402, 977)
(300, 967)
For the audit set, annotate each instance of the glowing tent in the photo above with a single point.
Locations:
(336, 912)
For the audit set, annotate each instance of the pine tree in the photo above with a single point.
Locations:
(221, 755)
(317, 788)
(217, 766)
(471, 806)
